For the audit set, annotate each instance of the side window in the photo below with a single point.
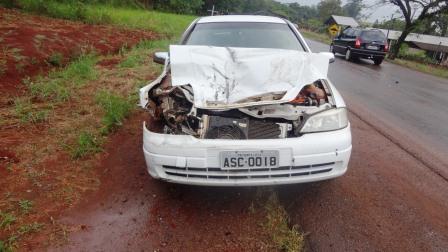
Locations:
(350, 34)
(346, 32)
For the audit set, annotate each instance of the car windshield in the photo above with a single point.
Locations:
(373, 36)
(248, 35)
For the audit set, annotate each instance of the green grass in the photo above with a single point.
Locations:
(59, 84)
(27, 114)
(167, 25)
(30, 228)
(6, 220)
(56, 59)
(87, 144)
(116, 109)
(138, 54)
(439, 71)
(25, 206)
(277, 225)
(324, 38)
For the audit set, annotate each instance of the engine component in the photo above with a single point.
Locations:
(226, 128)
(311, 95)
(263, 130)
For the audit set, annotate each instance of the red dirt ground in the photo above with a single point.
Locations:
(26, 47)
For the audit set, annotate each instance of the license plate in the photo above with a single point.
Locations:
(372, 47)
(249, 159)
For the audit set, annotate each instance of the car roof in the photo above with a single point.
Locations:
(241, 18)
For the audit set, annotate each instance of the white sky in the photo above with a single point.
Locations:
(379, 12)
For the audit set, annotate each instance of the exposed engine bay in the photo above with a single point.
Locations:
(239, 93)
(173, 107)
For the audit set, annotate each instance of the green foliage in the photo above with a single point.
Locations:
(127, 14)
(326, 8)
(4, 247)
(116, 109)
(417, 56)
(30, 228)
(25, 206)
(56, 59)
(180, 6)
(27, 114)
(6, 220)
(87, 144)
(353, 8)
(284, 237)
(58, 85)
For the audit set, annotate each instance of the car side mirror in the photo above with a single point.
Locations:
(160, 57)
(329, 55)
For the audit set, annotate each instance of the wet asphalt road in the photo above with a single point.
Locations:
(408, 106)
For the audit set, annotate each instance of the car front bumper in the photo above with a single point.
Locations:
(188, 160)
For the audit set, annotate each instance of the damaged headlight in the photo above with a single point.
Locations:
(332, 119)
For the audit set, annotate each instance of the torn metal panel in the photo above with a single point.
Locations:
(223, 78)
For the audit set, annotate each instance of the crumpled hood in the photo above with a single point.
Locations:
(222, 76)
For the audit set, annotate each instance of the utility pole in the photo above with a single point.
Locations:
(212, 10)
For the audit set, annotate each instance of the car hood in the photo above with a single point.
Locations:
(223, 77)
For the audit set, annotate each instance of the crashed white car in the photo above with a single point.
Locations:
(243, 101)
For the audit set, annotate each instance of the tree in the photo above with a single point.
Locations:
(353, 8)
(326, 8)
(414, 13)
(179, 6)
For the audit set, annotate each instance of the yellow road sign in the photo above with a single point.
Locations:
(334, 29)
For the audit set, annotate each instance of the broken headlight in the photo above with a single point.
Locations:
(332, 119)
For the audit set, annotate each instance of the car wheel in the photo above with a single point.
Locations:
(378, 61)
(348, 55)
(332, 49)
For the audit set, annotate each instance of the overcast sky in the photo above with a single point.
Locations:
(376, 12)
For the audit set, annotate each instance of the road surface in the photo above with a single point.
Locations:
(393, 198)
(411, 104)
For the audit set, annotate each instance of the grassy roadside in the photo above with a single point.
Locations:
(166, 24)
(438, 71)
(65, 121)
(316, 36)
(61, 124)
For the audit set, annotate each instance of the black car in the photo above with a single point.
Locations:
(361, 43)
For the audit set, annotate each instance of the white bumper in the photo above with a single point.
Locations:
(188, 160)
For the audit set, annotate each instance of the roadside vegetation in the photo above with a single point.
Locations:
(66, 116)
(284, 237)
(94, 12)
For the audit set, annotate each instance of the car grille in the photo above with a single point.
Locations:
(248, 174)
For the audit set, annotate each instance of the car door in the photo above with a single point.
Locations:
(344, 40)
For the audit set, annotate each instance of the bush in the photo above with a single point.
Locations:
(419, 56)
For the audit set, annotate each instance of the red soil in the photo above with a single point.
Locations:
(28, 42)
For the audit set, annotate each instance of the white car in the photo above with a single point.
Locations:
(242, 101)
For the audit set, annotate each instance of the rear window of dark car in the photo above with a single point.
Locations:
(373, 36)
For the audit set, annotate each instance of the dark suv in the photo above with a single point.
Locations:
(361, 43)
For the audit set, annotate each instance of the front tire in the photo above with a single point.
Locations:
(378, 61)
(348, 55)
